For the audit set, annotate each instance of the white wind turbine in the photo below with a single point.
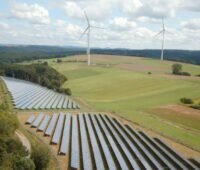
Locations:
(88, 31)
(163, 39)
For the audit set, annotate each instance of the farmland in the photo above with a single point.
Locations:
(122, 86)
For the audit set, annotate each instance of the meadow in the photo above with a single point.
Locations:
(136, 88)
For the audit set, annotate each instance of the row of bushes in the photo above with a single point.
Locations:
(190, 102)
(38, 73)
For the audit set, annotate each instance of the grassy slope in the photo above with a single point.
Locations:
(132, 94)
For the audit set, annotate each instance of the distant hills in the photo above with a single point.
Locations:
(18, 53)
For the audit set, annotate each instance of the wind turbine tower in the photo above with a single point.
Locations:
(88, 32)
(163, 39)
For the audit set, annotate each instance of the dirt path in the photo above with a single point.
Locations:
(25, 142)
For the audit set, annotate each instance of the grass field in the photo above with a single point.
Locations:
(121, 85)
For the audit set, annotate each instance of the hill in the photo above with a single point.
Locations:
(122, 85)
(20, 53)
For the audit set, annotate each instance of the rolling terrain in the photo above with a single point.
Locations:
(122, 85)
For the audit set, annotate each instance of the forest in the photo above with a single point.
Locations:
(19, 53)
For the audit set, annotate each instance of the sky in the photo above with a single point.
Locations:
(125, 23)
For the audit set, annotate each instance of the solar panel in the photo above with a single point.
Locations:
(27, 95)
(108, 157)
(37, 120)
(74, 160)
(65, 103)
(178, 159)
(49, 105)
(64, 148)
(30, 119)
(74, 105)
(26, 98)
(60, 104)
(54, 105)
(165, 162)
(58, 130)
(40, 102)
(69, 106)
(113, 145)
(133, 163)
(132, 147)
(44, 123)
(86, 156)
(154, 163)
(95, 148)
(44, 104)
(51, 125)
(37, 100)
(31, 100)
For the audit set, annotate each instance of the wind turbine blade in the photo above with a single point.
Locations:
(84, 32)
(87, 18)
(158, 34)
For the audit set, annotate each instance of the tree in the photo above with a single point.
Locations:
(176, 68)
(41, 158)
(24, 164)
(59, 61)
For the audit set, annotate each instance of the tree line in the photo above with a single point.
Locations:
(37, 73)
(13, 54)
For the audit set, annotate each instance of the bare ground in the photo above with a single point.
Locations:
(182, 109)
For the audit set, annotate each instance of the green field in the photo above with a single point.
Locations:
(121, 85)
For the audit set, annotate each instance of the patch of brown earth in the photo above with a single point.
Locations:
(139, 67)
(182, 109)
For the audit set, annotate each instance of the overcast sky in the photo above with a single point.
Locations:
(128, 23)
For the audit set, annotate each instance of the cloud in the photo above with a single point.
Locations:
(96, 10)
(3, 25)
(191, 5)
(70, 29)
(122, 23)
(153, 9)
(73, 10)
(192, 24)
(33, 13)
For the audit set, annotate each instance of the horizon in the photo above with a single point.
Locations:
(92, 48)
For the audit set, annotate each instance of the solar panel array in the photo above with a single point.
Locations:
(27, 95)
(101, 142)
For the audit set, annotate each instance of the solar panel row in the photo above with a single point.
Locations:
(101, 142)
(58, 130)
(86, 156)
(65, 141)
(26, 95)
(75, 155)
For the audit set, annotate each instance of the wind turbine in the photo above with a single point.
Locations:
(88, 31)
(163, 39)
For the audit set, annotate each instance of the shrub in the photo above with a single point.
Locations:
(149, 73)
(41, 158)
(186, 100)
(185, 74)
(176, 68)
(59, 61)
(45, 63)
(24, 164)
(196, 106)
